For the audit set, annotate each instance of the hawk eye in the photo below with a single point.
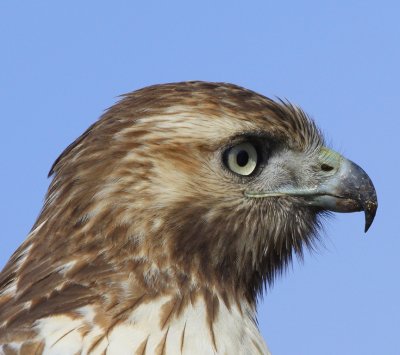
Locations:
(242, 158)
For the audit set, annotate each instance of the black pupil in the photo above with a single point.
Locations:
(242, 158)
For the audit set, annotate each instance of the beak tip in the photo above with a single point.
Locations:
(370, 211)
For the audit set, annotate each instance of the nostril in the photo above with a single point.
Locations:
(326, 167)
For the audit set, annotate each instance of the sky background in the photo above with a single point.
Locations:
(63, 63)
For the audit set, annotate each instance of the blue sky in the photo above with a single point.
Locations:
(63, 63)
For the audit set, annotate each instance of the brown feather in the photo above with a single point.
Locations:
(140, 207)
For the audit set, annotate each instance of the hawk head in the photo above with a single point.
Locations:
(183, 186)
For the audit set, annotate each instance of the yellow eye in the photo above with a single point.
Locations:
(242, 159)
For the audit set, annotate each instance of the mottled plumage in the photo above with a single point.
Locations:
(151, 242)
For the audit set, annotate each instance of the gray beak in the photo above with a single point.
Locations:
(342, 187)
(349, 190)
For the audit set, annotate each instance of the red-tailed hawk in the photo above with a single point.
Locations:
(164, 221)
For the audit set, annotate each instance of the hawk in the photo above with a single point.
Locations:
(165, 220)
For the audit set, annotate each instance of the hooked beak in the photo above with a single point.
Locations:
(344, 188)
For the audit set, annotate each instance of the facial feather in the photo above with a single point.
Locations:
(156, 155)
